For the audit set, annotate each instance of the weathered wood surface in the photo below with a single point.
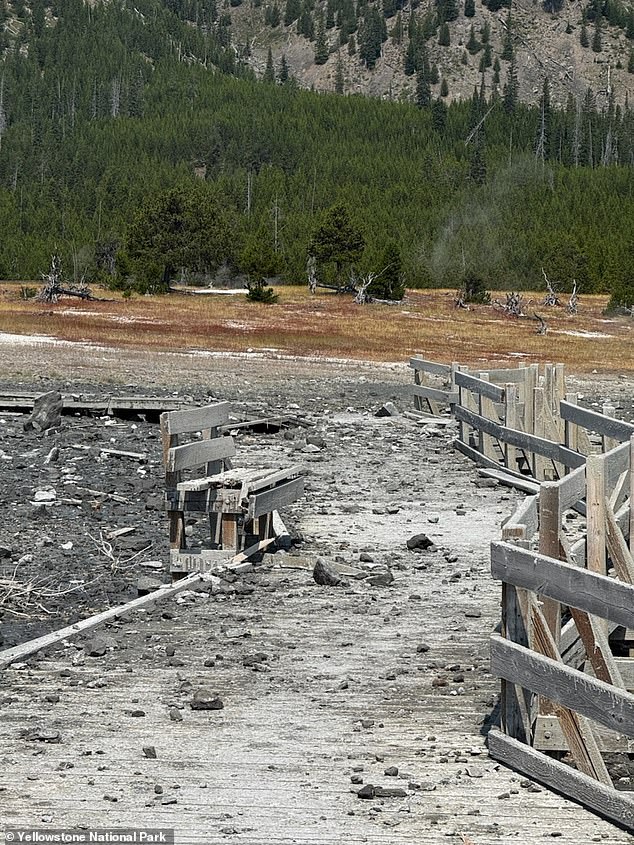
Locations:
(196, 419)
(276, 498)
(432, 367)
(568, 584)
(524, 522)
(479, 386)
(571, 688)
(548, 736)
(526, 485)
(202, 452)
(528, 442)
(449, 397)
(594, 421)
(614, 805)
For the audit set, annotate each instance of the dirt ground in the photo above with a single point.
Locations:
(325, 689)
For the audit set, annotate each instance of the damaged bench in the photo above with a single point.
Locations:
(240, 504)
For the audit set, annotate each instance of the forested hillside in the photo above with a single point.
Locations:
(105, 108)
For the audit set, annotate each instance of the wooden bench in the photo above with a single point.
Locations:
(199, 480)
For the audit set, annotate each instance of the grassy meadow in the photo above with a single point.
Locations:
(325, 324)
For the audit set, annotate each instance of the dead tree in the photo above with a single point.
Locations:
(551, 299)
(542, 328)
(53, 287)
(573, 302)
(311, 269)
(459, 300)
(513, 307)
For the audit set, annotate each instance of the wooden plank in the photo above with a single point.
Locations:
(525, 484)
(631, 508)
(480, 386)
(417, 363)
(515, 375)
(616, 806)
(24, 650)
(572, 488)
(515, 701)
(276, 498)
(578, 733)
(450, 397)
(528, 442)
(196, 419)
(594, 421)
(617, 547)
(548, 736)
(511, 420)
(569, 687)
(572, 586)
(202, 452)
(200, 560)
(205, 501)
(526, 515)
(596, 555)
(595, 642)
(549, 528)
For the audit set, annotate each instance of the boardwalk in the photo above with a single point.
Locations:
(319, 684)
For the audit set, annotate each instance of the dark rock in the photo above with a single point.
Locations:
(381, 579)
(149, 751)
(388, 409)
(421, 648)
(47, 412)
(391, 771)
(325, 574)
(419, 542)
(367, 792)
(254, 659)
(316, 440)
(99, 645)
(364, 557)
(390, 792)
(205, 700)
(356, 779)
(175, 714)
(170, 651)
(36, 735)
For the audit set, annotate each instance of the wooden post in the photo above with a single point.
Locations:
(549, 544)
(530, 383)
(418, 400)
(571, 440)
(538, 461)
(596, 558)
(510, 421)
(609, 442)
(176, 518)
(632, 494)
(559, 394)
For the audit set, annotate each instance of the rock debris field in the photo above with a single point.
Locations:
(270, 708)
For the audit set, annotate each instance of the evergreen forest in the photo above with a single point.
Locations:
(124, 124)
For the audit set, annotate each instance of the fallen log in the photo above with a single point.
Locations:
(24, 650)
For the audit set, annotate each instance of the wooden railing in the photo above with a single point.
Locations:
(566, 563)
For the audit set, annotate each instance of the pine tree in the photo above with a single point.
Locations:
(305, 25)
(477, 162)
(434, 75)
(439, 114)
(409, 61)
(583, 35)
(597, 46)
(473, 45)
(283, 74)
(444, 88)
(507, 40)
(446, 10)
(423, 89)
(469, 8)
(630, 62)
(292, 12)
(330, 14)
(444, 38)
(321, 45)
(511, 88)
(269, 72)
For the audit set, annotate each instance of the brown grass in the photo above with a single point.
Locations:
(333, 326)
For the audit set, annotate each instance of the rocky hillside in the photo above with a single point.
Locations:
(466, 51)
